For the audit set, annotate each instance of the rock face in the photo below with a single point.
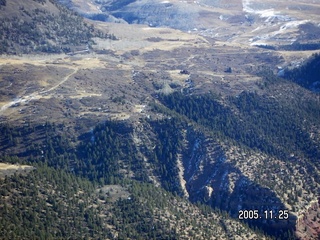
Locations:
(213, 177)
(229, 178)
(308, 226)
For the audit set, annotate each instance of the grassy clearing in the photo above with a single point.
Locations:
(10, 169)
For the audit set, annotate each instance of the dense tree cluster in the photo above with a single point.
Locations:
(260, 123)
(54, 204)
(307, 75)
(43, 31)
(109, 148)
(166, 152)
(48, 204)
(135, 220)
(300, 47)
(99, 156)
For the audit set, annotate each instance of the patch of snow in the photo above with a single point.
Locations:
(254, 30)
(267, 13)
(209, 191)
(270, 14)
(283, 28)
(290, 25)
(281, 73)
(259, 44)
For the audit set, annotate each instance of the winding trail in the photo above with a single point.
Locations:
(36, 95)
(66, 78)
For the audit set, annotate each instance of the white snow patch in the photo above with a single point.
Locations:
(209, 191)
(257, 29)
(259, 44)
(291, 25)
(270, 14)
(267, 13)
(283, 28)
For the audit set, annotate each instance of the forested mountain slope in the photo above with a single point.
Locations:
(51, 204)
(43, 26)
(236, 153)
(306, 75)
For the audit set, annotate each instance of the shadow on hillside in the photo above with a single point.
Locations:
(246, 197)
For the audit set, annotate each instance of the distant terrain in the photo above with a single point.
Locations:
(159, 119)
(280, 25)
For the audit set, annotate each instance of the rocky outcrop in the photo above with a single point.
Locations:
(308, 222)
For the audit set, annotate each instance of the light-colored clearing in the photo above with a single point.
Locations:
(139, 108)
(119, 116)
(6, 166)
(181, 176)
(113, 192)
(7, 169)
